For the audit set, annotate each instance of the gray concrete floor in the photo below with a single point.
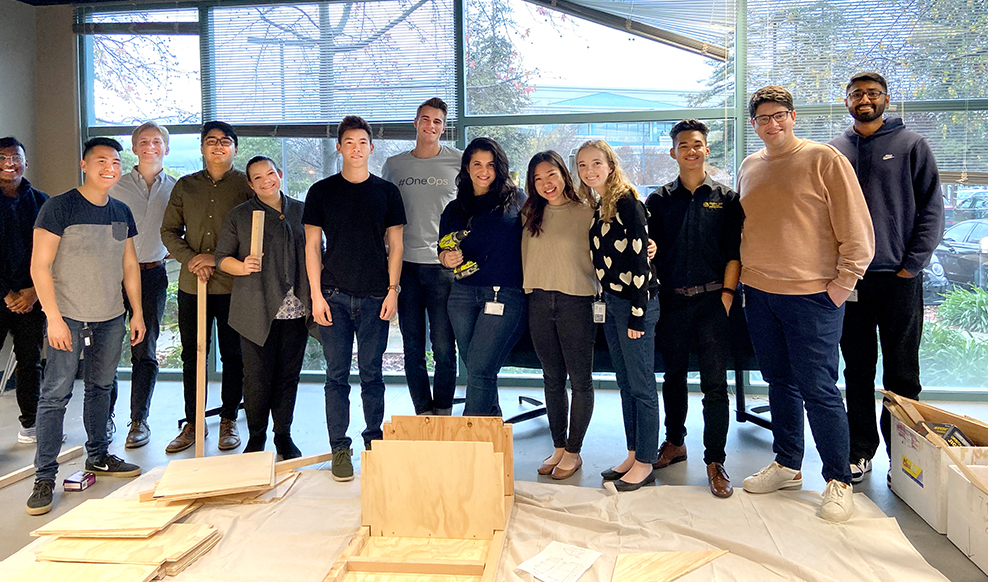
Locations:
(749, 449)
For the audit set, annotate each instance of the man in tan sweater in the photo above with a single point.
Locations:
(807, 239)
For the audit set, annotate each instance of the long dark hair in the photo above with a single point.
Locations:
(503, 186)
(534, 207)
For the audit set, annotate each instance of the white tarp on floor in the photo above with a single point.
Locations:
(770, 537)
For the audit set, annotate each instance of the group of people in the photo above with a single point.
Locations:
(448, 238)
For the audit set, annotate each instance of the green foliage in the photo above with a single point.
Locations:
(966, 309)
(950, 357)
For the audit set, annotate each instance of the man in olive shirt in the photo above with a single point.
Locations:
(192, 223)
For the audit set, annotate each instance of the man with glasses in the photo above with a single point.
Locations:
(20, 314)
(807, 239)
(146, 190)
(190, 229)
(901, 185)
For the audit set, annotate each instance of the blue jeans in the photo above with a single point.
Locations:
(634, 367)
(795, 339)
(425, 289)
(360, 317)
(485, 340)
(102, 356)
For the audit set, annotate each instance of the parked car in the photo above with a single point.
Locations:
(972, 202)
(960, 253)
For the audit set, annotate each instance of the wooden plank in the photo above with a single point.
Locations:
(412, 566)
(973, 428)
(201, 337)
(169, 545)
(21, 474)
(425, 548)
(293, 464)
(220, 475)
(257, 233)
(283, 484)
(508, 448)
(114, 518)
(72, 572)
(394, 577)
(936, 439)
(494, 555)
(660, 566)
(339, 570)
(176, 568)
(906, 405)
(432, 489)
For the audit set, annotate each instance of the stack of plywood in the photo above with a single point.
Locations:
(435, 498)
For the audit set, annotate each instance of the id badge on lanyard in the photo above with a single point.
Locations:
(494, 307)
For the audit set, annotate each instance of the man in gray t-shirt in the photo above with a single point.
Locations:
(426, 177)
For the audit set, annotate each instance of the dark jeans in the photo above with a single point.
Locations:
(218, 310)
(634, 368)
(485, 340)
(425, 289)
(563, 334)
(697, 324)
(795, 339)
(271, 375)
(28, 331)
(894, 306)
(144, 356)
(101, 357)
(360, 317)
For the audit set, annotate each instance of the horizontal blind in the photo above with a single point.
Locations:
(314, 63)
(710, 21)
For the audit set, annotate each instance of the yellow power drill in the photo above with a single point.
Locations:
(451, 242)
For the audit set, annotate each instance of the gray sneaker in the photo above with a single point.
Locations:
(28, 436)
(41, 499)
(342, 465)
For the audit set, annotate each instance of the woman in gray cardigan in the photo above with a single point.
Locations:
(269, 305)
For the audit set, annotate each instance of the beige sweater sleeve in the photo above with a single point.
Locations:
(851, 222)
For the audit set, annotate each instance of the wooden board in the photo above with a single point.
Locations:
(220, 475)
(114, 518)
(64, 572)
(660, 566)
(339, 570)
(168, 545)
(937, 440)
(283, 484)
(175, 568)
(292, 464)
(973, 428)
(201, 343)
(390, 577)
(425, 548)
(432, 489)
(21, 474)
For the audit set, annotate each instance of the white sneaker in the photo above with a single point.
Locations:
(859, 469)
(773, 478)
(838, 501)
(28, 436)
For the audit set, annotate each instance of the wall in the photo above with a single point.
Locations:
(17, 38)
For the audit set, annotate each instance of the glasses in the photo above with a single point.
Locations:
(15, 159)
(220, 141)
(871, 93)
(779, 117)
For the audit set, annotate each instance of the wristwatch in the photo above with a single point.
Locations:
(397, 288)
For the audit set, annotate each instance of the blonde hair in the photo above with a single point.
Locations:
(148, 125)
(616, 186)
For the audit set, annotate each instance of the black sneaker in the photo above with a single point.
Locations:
(342, 465)
(112, 466)
(40, 501)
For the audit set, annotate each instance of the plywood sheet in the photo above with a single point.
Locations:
(220, 475)
(391, 577)
(63, 572)
(660, 566)
(425, 548)
(432, 489)
(114, 518)
(176, 567)
(168, 545)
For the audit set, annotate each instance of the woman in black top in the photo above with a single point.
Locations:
(486, 307)
(619, 246)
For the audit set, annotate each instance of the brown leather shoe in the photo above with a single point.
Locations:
(669, 454)
(546, 467)
(184, 440)
(560, 474)
(229, 437)
(720, 481)
(138, 435)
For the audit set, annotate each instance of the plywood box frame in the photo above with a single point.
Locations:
(459, 538)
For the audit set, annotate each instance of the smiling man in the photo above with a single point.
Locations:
(696, 223)
(901, 185)
(190, 228)
(426, 177)
(807, 239)
(145, 190)
(353, 282)
(83, 250)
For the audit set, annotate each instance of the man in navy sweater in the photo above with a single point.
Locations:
(901, 185)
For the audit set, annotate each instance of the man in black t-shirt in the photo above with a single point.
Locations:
(353, 282)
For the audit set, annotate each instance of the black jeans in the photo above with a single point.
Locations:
(697, 324)
(425, 290)
(563, 334)
(144, 356)
(893, 305)
(28, 331)
(271, 375)
(218, 310)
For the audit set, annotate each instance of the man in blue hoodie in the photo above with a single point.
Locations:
(899, 178)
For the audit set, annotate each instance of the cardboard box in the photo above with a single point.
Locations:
(919, 470)
(967, 515)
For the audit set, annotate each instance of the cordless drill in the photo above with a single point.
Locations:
(451, 242)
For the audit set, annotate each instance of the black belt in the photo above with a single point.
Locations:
(691, 291)
(147, 266)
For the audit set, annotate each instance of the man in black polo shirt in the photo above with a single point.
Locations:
(696, 224)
